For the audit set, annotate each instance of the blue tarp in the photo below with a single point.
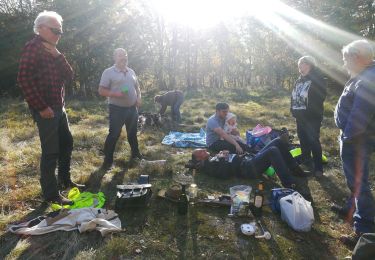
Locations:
(184, 140)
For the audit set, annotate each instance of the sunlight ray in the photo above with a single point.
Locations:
(310, 36)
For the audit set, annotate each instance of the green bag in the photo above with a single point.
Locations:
(82, 200)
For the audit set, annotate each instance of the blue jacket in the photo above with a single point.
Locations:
(355, 110)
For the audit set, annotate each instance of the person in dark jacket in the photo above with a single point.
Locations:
(225, 164)
(307, 107)
(355, 117)
(171, 98)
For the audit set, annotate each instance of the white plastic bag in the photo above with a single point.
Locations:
(297, 212)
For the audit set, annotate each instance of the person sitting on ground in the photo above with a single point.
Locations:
(230, 127)
(171, 98)
(275, 154)
(216, 138)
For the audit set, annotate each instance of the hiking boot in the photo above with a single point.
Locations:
(350, 240)
(341, 211)
(298, 172)
(307, 165)
(318, 174)
(285, 137)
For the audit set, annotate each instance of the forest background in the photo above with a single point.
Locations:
(259, 49)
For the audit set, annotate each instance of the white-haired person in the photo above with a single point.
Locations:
(307, 108)
(355, 117)
(231, 127)
(43, 73)
(120, 85)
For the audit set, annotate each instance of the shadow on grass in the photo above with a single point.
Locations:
(335, 193)
(94, 182)
(110, 189)
(61, 245)
(186, 233)
(9, 241)
(315, 246)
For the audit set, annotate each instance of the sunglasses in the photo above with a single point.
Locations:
(56, 31)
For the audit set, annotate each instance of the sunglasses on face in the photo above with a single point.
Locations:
(56, 31)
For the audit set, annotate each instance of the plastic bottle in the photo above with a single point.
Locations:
(261, 186)
(125, 89)
(183, 202)
(193, 192)
(258, 200)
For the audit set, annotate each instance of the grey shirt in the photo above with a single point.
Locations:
(114, 79)
(213, 122)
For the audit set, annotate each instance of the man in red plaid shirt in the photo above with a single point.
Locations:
(43, 71)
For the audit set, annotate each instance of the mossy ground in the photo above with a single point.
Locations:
(158, 231)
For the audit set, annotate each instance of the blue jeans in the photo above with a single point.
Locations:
(308, 131)
(355, 158)
(118, 116)
(175, 109)
(57, 144)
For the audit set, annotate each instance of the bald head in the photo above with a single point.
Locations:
(200, 155)
(121, 58)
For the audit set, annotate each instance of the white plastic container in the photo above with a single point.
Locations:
(193, 191)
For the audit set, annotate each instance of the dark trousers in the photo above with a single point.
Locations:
(221, 145)
(118, 116)
(355, 158)
(175, 109)
(308, 131)
(274, 154)
(57, 144)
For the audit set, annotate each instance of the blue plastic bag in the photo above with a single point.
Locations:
(276, 195)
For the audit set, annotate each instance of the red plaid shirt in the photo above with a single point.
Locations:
(42, 76)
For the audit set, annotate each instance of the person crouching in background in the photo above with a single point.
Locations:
(171, 98)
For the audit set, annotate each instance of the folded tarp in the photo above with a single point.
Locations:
(185, 140)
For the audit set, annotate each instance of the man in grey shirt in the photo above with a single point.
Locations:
(119, 84)
(216, 138)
